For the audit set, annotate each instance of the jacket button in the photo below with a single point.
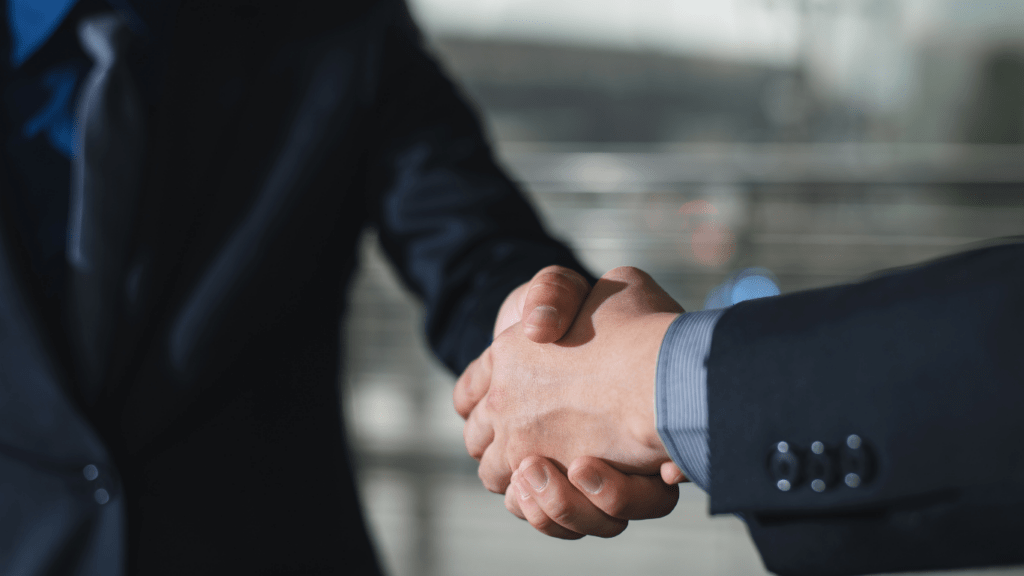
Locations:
(101, 483)
(855, 461)
(821, 468)
(784, 466)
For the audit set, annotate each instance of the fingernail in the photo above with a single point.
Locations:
(590, 481)
(537, 476)
(542, 317)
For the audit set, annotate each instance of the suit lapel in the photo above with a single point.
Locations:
(106, 178)
(33, 357)
(219, 73)
(212, 60)
(131, 238)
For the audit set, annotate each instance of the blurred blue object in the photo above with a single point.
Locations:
(31, 23)
(745, 284)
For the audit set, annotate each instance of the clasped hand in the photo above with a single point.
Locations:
(567, 421)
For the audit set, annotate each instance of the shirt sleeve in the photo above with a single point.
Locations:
(681, 394)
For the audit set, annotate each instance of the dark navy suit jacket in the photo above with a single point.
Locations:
(281, 131)
(925, 367)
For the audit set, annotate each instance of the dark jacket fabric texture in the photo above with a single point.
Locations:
(215, 443)
(925, 368)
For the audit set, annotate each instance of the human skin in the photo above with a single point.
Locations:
(586, 401)
(549, 303)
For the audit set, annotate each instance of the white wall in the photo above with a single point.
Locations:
(748, 30)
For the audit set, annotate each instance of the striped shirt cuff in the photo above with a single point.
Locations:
(681, 395)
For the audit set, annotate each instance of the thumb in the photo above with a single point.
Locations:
(672, 474)
(624, 496)
(552, 299)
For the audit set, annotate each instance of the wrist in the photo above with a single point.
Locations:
(652, 333)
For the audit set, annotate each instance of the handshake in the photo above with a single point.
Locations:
(559, 409)
(866, 427)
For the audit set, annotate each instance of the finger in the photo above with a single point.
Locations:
(478, 433)
(560, 503)
(494, 472)
(672, 474)
(512, 498)
(552, 301)
(537, 518)
(473, 384)
(625, 496)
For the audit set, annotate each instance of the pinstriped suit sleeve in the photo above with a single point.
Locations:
(681, 396)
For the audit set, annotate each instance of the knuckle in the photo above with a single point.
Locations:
(516, 450)
(493, 480)
(560, 510)
(462, 404)
(545, 524)
(557, 270)
(627, 273)
(548, 289)
(510, 504)
(582, 467)
(491, 484)
(551, 268)
(467, 399)
(473, 447)
(559, 280)
(532, 460)
(577, 279)
(468, 389)
(501, 346)
(616, 507)
(496, 400)
(474, 452)
(503, 354)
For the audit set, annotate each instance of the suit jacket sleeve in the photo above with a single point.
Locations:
(457, 229)
(925, 367)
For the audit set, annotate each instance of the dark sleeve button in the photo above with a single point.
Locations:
(784, 466)
(821, 468)
(855, 461)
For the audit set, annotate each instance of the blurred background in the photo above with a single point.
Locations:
(733, 149)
